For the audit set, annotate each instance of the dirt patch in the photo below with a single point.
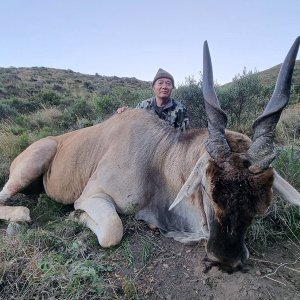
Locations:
(177, 271)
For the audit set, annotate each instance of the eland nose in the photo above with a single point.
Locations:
(234, 264)
(238, 264)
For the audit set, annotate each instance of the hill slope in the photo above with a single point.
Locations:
(24, 82)
(269, 76)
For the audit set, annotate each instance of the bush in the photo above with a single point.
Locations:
(110, 100)
(71, 116)
(82, 123)
(191, 96)
(82, 108)
(23, 106)
(6, 111)
(106, 105)
(22, 121)
(23, 142)
(47, 131)
(242, 100)
(48, 98)
(45, 117)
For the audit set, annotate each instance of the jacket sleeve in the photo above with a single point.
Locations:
(139, 105)
(145, 104)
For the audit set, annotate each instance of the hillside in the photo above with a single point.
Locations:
(269, 76)
(25, 82)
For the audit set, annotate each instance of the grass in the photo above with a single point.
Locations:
(55, 257)
(127, 252)
(288, 126)
(42, 269)
(4, 167)
(9, 143)
(130, 289)
(148, 249)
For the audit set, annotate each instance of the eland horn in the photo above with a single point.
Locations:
(262, 151)
(216, 145)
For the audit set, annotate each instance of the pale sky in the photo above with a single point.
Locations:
(133, 38)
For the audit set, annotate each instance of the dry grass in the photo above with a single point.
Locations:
(8, 142)
(288, 127)
(44, 117)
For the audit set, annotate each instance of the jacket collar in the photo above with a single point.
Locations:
(166, 106)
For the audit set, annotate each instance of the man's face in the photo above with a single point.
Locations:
(163, 88)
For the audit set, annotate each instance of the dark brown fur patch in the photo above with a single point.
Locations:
(237, 142)
(236, 190)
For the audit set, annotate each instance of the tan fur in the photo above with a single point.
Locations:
(14, 214)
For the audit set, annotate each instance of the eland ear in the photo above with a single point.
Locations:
(285, 190)
(193, 181)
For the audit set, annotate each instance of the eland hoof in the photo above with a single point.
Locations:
(13, 229)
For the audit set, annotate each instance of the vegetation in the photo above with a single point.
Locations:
(57, 258)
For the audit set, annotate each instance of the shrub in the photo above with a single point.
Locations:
(23, 106)
(46, 131)
(44, 117)
(17, 130)
(23, 142)
(82, 108)
(6, 111)
(242, 100)
(71, 116)
(82, 123)
(107, 105)
(191, 95)
(110, 100)
(49, 98)
(22, 121)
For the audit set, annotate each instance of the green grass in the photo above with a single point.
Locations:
(127, 252)
(53, 259)
(147, 252)
(59, 258)
(36, 273)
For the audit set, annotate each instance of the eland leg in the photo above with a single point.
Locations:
(25, 170)
(99, 214)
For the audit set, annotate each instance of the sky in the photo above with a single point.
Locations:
(134, 38)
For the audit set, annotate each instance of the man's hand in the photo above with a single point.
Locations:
(121, 109)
